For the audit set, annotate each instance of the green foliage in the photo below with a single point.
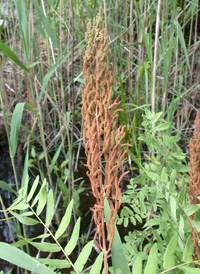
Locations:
(28, 209)
(157, 199)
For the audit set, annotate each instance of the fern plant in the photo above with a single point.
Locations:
(28, 209)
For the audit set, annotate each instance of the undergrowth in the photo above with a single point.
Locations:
(153, 50)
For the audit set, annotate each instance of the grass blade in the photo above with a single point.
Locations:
(15, 125)
(15, 256)
(10, 54)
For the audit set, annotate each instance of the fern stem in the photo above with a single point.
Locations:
(49, 231)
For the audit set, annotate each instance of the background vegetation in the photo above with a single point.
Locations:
(154, 51)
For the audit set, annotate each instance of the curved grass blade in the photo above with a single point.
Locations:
(10, 54)
(15, 125)
(17, 257)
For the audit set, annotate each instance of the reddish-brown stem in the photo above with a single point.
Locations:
(102, 215)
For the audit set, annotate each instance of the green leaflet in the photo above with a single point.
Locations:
(74, 238)
(55, 262)
(163, 126)
(189, 270)
(190, 209)
(42, 199)
(188, 250)
(45, 247)
(24, 220)
(96, 268)
(137, 266)
(17, 257)
(33, 189)
(50, 208)
(39, 193)
(83, 256)
(6, 186)
(169, 256)
(151, 266)
(65, 221)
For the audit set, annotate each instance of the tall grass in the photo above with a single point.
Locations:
(156, 62)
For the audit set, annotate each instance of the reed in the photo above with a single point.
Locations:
(103, 143)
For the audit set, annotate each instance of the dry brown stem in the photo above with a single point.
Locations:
(102, 141)
(194, 177)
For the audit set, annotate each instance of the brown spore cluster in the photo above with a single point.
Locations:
(101, 135)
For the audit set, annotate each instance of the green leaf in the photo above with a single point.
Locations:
(188, 250)
(190, 209)
(55, 157)
(7, 187)
(10, 54)
(151, 267)
(45, 247)
(163, 126)
(119, 259)
(17, 257)
(24, 220)
(173, 206)
(169, 256)
(156, 117)
(83, 256)
(196, 225)
(46, 24)
(183, 168)
(24, 25)
(189, 270)
(96, 267)
(20, 206)
(152, 222)
(65, 221)
(37, 197)
(33, 189)
(42, 199)
(137, 266)
(57, 263)
(25, 178)
(15, 125)
(152, 175)
(74, 238)
(50, 208)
